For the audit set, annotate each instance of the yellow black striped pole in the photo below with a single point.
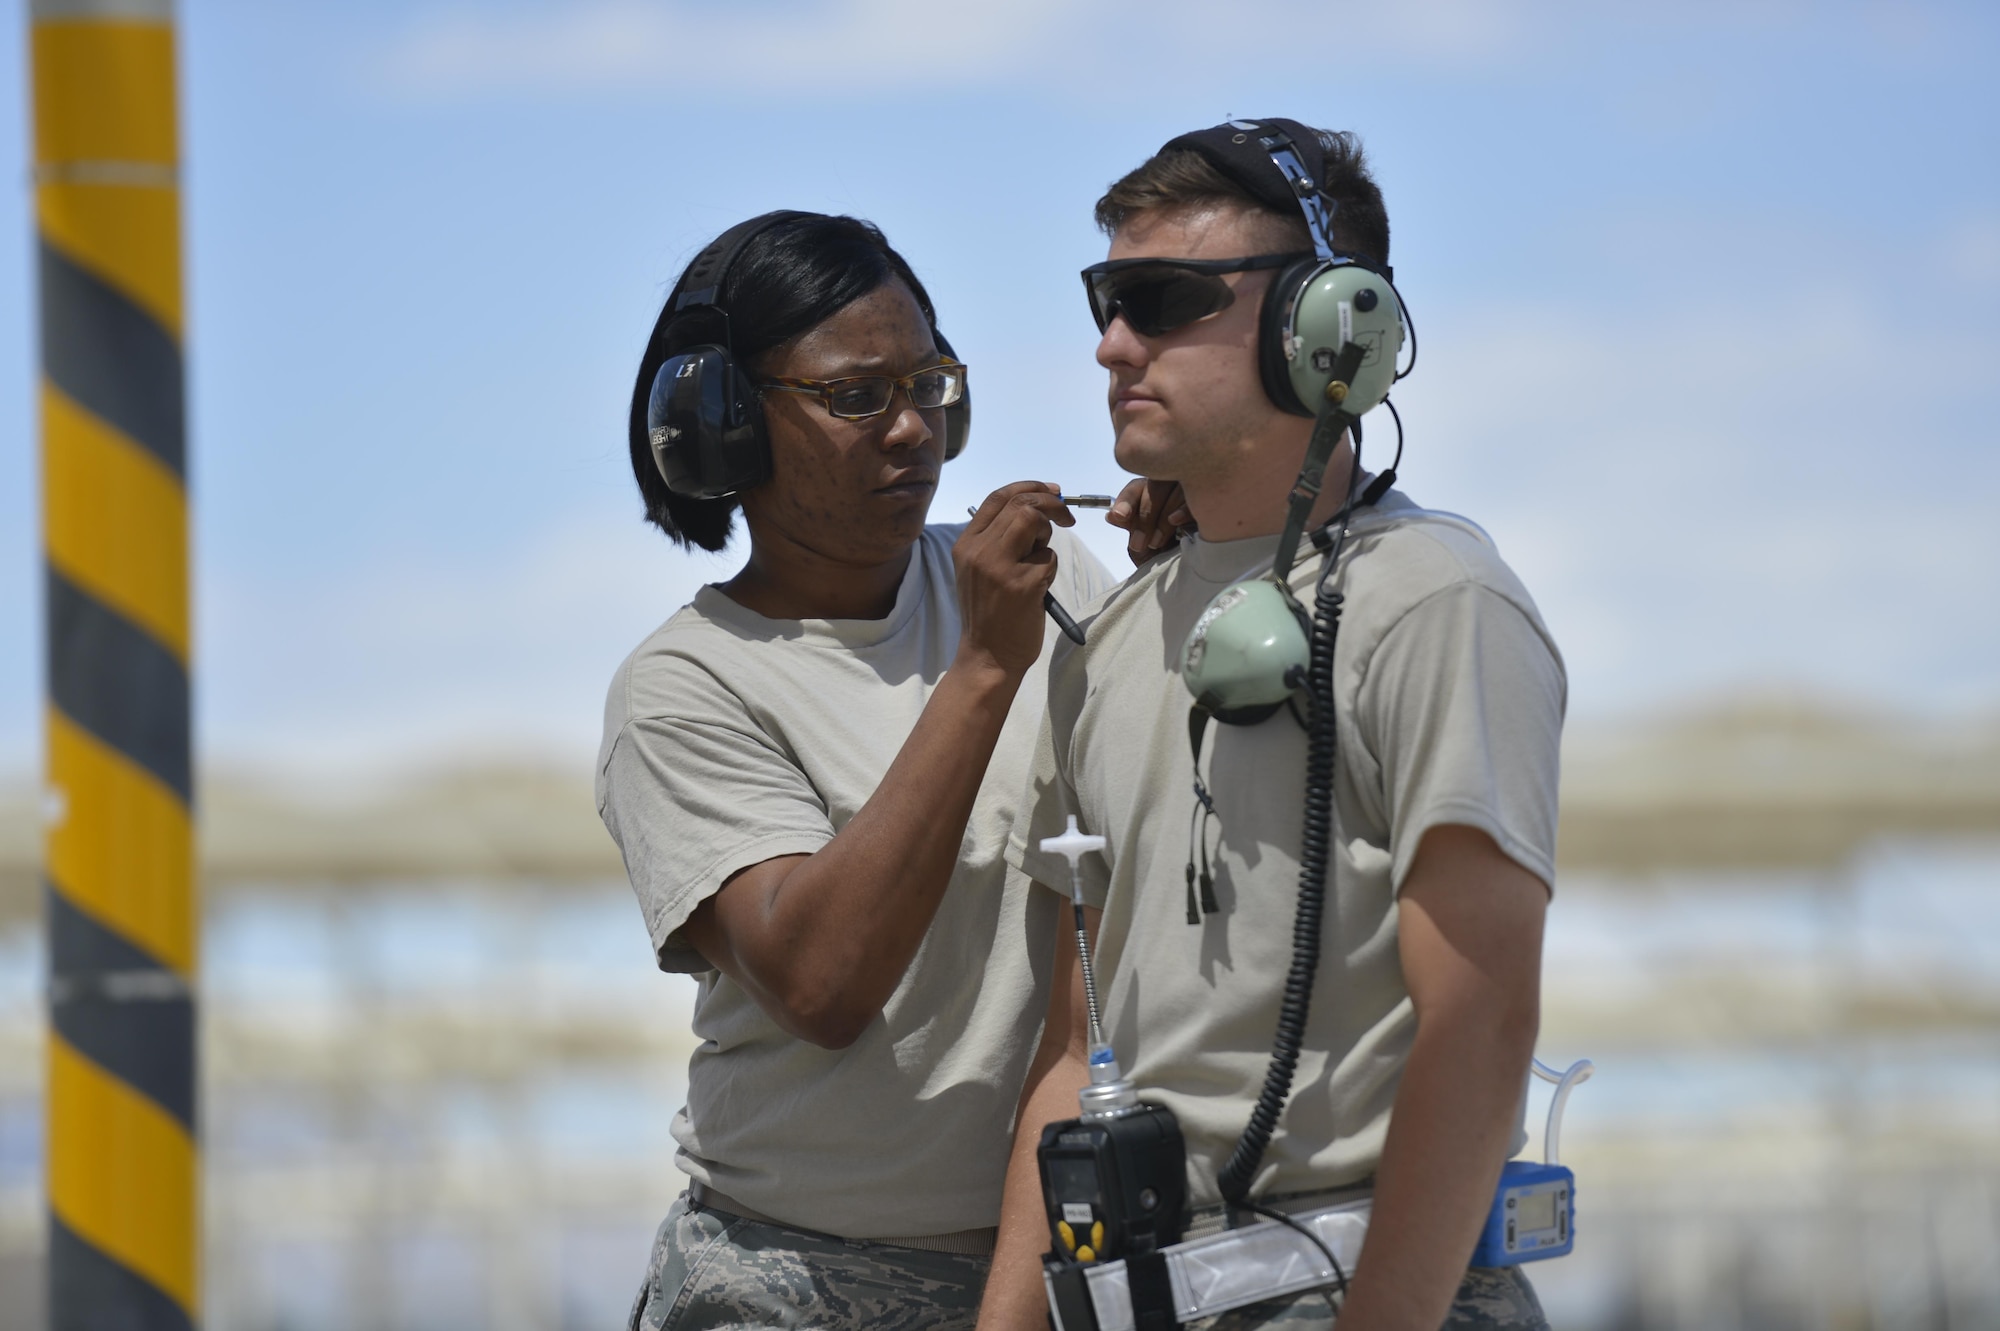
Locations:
(124, 1209)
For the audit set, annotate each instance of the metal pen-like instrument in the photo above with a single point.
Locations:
(1070, 628)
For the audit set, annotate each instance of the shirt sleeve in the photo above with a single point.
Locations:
(1463, 701)
(692, 802)
(1050, 799)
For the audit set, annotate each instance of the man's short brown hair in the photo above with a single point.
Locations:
(1183, 178)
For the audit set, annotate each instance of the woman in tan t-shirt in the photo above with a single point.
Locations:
(810, 770)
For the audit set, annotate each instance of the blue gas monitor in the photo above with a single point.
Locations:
(1533, 1216)
(1534, 1208)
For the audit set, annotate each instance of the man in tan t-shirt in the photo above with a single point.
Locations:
(1448, 696)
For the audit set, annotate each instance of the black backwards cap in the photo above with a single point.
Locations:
(1237, 149)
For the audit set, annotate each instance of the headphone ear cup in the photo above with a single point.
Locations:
(746, 443)
(706, 425)
(957, 416)
(1274, 362)
(957, 424)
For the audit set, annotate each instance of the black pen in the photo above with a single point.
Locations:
(1070, 628)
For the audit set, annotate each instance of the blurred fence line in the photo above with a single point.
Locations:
(440, 1070)
(1759, 783)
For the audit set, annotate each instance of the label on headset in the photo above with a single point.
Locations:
(1197, 644)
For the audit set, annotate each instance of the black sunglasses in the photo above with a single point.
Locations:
(1156, 296)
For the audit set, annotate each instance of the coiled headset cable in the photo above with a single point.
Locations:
(1315, 845)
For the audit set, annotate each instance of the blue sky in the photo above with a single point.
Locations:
(1707, 294)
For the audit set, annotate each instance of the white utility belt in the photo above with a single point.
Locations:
(1237, 1267)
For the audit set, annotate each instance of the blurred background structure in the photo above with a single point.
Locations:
(1708, 300)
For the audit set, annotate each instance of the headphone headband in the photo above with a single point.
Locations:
(1306, 189)
(1282, 164)
(702, 282)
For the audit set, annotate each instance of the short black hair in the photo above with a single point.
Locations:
(792, 276)
(1182, 178)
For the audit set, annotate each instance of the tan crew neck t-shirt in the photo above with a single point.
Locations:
(1449, 695)
(729, 739)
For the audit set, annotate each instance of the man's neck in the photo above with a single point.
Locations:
(1252, 501)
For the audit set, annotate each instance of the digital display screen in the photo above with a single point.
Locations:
(1536, 1211)
(1075, 1180)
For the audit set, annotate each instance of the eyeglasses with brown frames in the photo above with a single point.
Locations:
(864, 395)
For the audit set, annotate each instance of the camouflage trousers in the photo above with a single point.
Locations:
(1492, 1298)
(713, 1271)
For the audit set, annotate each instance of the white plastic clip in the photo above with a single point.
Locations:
(1072, 845)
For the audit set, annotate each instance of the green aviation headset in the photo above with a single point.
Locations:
(1331, 331)
(704, 417)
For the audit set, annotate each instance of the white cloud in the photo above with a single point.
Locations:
(1972, 251)
(426, 658)
(673, 48)
(1703, 504)
(1442, 29)
(1163, 48)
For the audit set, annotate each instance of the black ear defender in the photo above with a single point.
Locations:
(704, 416)
(957, 416)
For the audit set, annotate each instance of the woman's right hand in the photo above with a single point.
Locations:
(1004, 567)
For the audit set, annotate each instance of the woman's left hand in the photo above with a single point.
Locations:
(1153, 514)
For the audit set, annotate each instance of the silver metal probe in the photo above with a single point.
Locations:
(1083, 955)
(1109, 1093)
